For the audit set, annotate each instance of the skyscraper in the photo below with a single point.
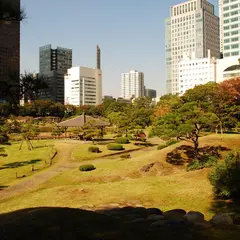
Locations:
(9, 47)
(192, 29)
(98, 58)
(132, 84)
(229, 13)
(53, 64)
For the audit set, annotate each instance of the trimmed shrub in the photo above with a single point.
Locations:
(130, 138)
(94, 149)
(225, 177)
(142, 139)
(125, 156)
(171, 142)
(87, 168)
(151, 134)
(161, 146)
(122, 140)
(206, 161)
(115, 147)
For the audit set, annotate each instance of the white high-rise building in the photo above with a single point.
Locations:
(229, 13)
(196, 71)
(83, 86)
(191, 29)
(132, 84)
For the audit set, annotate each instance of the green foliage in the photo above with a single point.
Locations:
(171, 142)
(130, 138)
(94, 149)
(125, 156)
(115, 147)
(57, 131)
(122, 140)
(162, 146)
(87, 168)
(206, 161)
(225, 177)
(151, 134)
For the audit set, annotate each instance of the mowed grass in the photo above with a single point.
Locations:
(21, 161)
(81, 152)
(119, 181)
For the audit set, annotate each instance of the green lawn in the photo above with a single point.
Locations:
(21, 161)
(81, 153)
(119, 181)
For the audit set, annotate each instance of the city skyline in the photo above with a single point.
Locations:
(128, 41)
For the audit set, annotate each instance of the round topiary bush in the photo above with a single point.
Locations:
(161, 147)
(225, 177)
(87, 168)
(94, 149)
(171, 142)
(122, 140)
(115, 147)
(125, 156)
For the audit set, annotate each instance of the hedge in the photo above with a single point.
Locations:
(86, 168)
(115, 147)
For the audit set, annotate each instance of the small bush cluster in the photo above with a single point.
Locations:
(122, 140)
(115, 147)
(171, 142)
(162, 146)
(125, 156)
(206, 161)
(225, 177)
(94, 149)
(87, 168)
(130, 138)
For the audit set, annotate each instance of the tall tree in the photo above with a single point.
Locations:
(186, 123)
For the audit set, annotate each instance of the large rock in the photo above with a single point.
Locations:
(155, 217)
(222, 218)
(194, 216)
(158, 223)
(155, 211)
(174, 214)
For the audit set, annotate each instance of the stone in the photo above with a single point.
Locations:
(222, 219)
(176, 213)
(194, 216)
(155, 211)
(204, 224)
(175, 221)
(158, 223)
(155, 217)
(138, 220)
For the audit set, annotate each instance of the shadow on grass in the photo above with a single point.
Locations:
(185, 153)
(115, 224)
(3, 187)
(227, 206)
(19, 164)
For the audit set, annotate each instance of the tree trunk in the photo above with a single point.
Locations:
(196, 144)
(20, 148)
(221, 127)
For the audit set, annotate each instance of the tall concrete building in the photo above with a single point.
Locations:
(98, 58)
(150, 93)
(191, 29)
(196, 71)
(83, 86)
(53, 64)
(9, 48)
(229, 13)
(132, 84)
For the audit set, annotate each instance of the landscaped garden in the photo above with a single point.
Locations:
(18, 164)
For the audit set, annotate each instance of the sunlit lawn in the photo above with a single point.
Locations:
(118, 181)
(20, 162)
(81, 152)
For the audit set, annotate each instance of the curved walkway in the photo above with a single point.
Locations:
(61, 164)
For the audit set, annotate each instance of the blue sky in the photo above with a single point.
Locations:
(130, 34)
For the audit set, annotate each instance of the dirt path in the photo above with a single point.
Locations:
(62, 164)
